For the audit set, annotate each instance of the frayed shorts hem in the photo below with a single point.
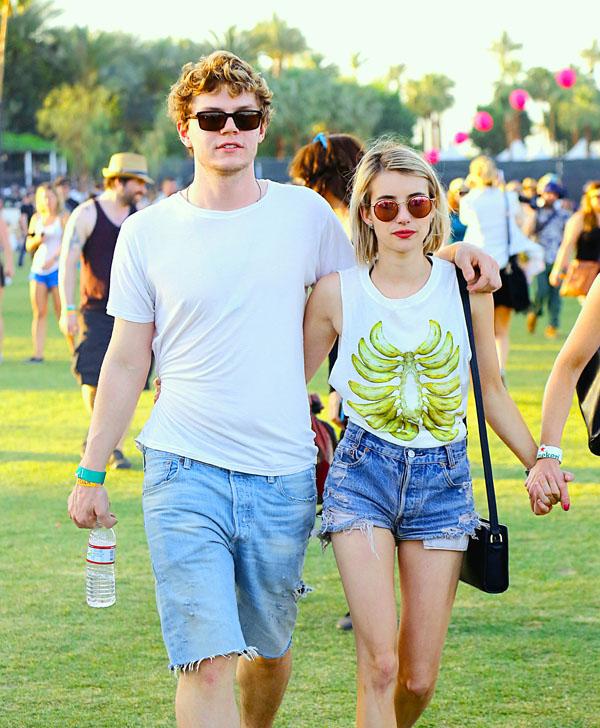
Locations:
(250, 653)
(457, 540)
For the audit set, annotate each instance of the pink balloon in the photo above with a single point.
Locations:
(566, 77)
(432, 156)
(460, 137)
(518, 99)
(483, 121)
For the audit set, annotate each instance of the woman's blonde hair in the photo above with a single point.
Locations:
(388, 155)
(47, 187)
(210, 74)
(483, 172)
(589, 215)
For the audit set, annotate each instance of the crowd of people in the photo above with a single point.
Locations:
(538, 236)
(230, 500)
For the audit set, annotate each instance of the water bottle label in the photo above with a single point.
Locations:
(100, 554)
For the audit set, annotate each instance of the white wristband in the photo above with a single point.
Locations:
(549, 451)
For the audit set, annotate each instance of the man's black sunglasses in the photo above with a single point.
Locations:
(245, 120)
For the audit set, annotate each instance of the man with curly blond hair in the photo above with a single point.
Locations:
(213, 280)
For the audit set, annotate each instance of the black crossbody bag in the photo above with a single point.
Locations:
(485, 563)
(588, 394)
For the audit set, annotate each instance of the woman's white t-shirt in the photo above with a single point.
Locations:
(484, 211)
(403, 364)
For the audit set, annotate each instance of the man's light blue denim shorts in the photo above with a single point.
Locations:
(227, 551)
(422, 494)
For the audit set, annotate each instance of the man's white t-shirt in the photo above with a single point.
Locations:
(226, 292)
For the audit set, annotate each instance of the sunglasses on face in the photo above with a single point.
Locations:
(245, 120)
(417, 205)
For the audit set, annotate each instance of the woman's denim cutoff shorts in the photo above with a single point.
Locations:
(227, 551)
(422, 494)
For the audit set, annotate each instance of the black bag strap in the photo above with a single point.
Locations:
(483, 439)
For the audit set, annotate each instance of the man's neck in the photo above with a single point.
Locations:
(224, 192)
(110, 196)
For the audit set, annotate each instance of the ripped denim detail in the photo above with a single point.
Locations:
(467, 525)
(302, 591)
(338, 521)
(250, 653)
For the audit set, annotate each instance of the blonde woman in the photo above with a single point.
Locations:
(44, 240)
(492, 215)
(400, 483)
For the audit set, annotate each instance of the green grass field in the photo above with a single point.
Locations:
(530, 657)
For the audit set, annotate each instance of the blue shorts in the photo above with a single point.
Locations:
(50, 280)
(227, 550)
(419, 494)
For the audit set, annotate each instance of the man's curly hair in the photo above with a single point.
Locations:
(209, 74)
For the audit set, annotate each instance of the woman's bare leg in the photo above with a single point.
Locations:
(367, 571)
(428, 581)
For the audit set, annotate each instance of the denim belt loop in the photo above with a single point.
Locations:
(450, 456)
(357, 437)
(270, 478)
(187, 463)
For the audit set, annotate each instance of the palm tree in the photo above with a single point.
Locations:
(243, 43)
(7, 9)
(503, 48)
(580, 112)
(280, 42)
(592, 56)
(394, 75)
(356, 61)
(428, 98)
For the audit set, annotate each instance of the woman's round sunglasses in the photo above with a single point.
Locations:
(245, 120)
(417, 205)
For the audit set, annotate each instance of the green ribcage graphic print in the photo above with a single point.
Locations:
(413, 389)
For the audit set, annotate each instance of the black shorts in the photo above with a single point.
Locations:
(96, 332)
(504, 297)
(2, 278)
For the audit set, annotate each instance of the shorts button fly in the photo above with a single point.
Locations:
(411, 453)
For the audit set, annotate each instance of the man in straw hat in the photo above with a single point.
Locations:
(91, 235)
(213, 279)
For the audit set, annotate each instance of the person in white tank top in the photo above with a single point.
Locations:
(44, 241)
(400, 480)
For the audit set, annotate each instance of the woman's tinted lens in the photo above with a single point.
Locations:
(216, 120)
(419, 205)
(387, 210)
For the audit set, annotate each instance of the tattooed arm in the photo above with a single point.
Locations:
(78, 229)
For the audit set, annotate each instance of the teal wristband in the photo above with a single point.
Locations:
(71, 307)
(92, 476)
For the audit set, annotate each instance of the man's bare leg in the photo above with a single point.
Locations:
(262, 686)
(205, 696)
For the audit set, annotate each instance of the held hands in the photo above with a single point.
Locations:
(86, 506)
(479, 269)
(547, 485)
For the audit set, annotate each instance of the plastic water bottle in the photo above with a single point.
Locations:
(100, 568)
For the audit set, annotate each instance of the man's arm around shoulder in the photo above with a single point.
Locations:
(122, 378)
